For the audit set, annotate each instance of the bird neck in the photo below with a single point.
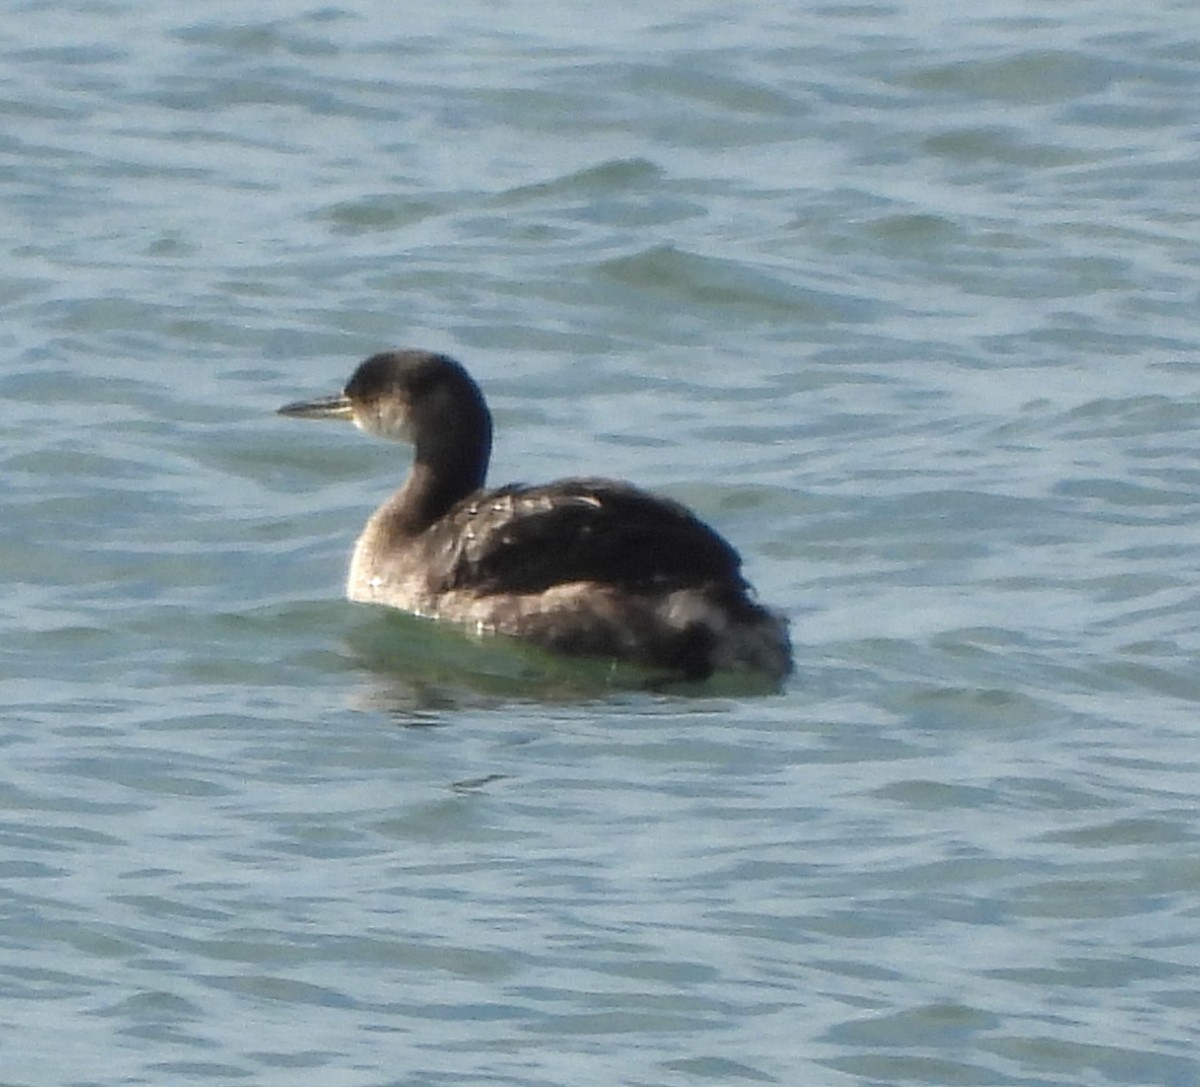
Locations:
(433, 486)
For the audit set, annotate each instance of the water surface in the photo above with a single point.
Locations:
(901, 298)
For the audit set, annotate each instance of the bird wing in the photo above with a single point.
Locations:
(527, 539)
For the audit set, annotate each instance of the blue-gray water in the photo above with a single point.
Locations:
(901, 296)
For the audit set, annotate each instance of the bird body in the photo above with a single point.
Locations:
(585, 566)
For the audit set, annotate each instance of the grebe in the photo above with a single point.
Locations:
(589, 567)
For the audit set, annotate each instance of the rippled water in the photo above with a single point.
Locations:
(902, 298)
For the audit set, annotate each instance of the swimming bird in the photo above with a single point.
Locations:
(590, 567)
